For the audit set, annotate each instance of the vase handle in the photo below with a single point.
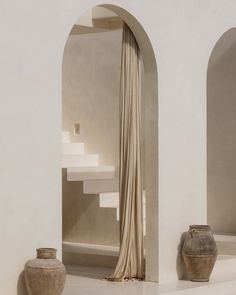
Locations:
(192, 231)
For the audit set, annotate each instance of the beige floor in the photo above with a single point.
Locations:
(90, 281)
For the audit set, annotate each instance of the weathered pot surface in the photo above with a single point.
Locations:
(45, 274)
(199, 252)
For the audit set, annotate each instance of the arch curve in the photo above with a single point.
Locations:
(150, 101)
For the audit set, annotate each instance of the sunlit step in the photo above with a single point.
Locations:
(65, 137)
(109, 200)
(226, 244)
(84, 160)
(94, 249)
(101, 186)
(72, 148)
(88, 173)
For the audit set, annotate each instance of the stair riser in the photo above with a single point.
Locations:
(226, 248)
(93, 249)
(73, 148)
(79, 160)
(108, 204)
(89, 175)
(101, 186)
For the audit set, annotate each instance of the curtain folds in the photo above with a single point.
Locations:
(131, 258)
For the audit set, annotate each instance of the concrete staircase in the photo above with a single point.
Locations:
(97, 179)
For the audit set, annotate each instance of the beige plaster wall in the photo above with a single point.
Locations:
(221, 135)
(30, 128)
(91, 77)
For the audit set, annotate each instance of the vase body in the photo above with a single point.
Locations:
(45, 275)
(199, 252)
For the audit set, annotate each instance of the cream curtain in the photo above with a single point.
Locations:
(131, 261)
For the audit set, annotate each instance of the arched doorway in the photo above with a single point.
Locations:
(90, 112)
(221, 135)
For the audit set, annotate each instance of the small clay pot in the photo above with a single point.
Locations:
(199, 252)
(45, 275)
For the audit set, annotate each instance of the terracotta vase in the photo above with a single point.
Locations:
(45, 275)
(199, 252)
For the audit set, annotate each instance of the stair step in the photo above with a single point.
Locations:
(109, 200)
(226, 244)
(72, 148)
(84, 160)
(88, 173)
(84, 248)
(65, 137)
(101, 186)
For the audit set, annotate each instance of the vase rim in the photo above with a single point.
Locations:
(47, 249)
(46, 253)
(200, 226)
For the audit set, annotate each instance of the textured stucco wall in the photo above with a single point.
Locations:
(30, 128)
(91, 75)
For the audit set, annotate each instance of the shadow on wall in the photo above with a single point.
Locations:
(84, 221)
(180, 266)
(21, 286)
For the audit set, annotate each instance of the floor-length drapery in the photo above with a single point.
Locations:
(131, 261)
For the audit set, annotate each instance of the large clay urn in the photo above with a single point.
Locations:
(199, 252)
(45, 275)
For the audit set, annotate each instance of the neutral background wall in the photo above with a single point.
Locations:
(30, 116)
(91, 78)
(91, 75)
(33, 35)
(221, 135)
